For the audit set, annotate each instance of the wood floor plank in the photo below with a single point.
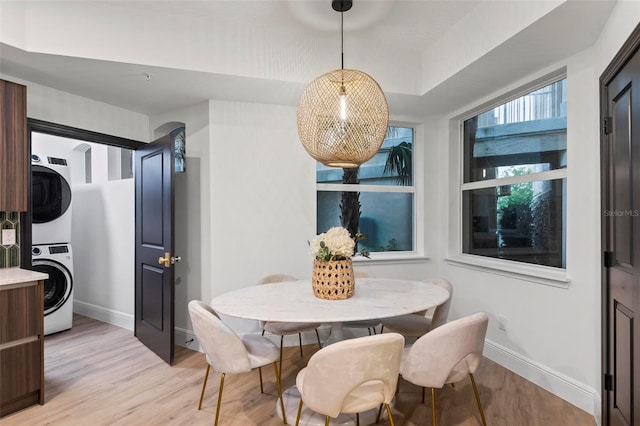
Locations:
(99, 374)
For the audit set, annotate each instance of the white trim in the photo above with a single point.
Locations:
(388, 257)
(183, 337)
(528, 272)
(356, 187)
(186, 338)
(109, 316)
(572, 391)
(511, 180)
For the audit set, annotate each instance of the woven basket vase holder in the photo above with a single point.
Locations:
(333, 279)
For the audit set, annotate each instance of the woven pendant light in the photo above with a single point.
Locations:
(343, 115)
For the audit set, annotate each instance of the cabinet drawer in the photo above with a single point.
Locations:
(20, 370)
(20, 313)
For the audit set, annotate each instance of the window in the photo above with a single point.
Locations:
(381, 190)
(514, 179)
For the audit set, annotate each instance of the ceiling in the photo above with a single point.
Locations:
(140, 80)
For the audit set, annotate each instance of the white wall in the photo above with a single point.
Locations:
(553, 333)
(55, 106)
(102, 236)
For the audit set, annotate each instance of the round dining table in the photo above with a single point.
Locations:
(294, 301)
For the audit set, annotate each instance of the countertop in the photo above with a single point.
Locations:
(9, 276)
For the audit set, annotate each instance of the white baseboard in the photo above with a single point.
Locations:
(572, 391)
(183, 337)
(100, 313)
(186, 338)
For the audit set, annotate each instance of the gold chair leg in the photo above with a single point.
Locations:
(219, 399)
(300, 340)
(281, 340)
(299, 411)
(260, 373)
(326, 421)
(433, 407)
(475, 390)
(204, 385)
(279, 385)
(318, 337)
(389, 414)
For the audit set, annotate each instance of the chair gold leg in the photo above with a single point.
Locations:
(389, 414)
(204, 385)
(300, 340)
(260, 373)
(219, 399)
(326, 421)
(318, 337)
(280, 367)
(475, 390)
(299, 411)
(279, 386)
(433, 407)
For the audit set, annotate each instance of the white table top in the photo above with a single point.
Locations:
(10, 276)
(295, 301)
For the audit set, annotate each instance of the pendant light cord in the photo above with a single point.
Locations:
(342, 39)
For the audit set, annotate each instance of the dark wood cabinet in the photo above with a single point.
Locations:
(14, 161)
(21, 345)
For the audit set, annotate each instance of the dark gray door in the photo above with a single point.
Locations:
(620, 101)
(154, 274)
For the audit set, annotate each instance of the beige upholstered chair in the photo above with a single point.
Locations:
(351, 376)
(228, 353)
(369, 324)
(446, 355)
(285, 328)
(419, 323)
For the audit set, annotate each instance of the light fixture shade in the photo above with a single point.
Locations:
(344, 135)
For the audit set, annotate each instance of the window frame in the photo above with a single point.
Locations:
(417, 188)
(557, 277)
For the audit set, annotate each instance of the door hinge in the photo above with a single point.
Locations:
(608, 382)
(607, 125)
(608, 259)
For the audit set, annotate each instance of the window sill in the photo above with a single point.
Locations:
(528, 272)
(391, 258)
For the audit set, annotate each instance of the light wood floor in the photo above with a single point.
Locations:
(99, 374)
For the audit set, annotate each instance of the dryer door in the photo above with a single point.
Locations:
(50, 194)
(57, 288)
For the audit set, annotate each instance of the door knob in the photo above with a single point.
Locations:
(168, 260)
(165, 260)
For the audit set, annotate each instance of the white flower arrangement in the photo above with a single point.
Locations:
(335, 244)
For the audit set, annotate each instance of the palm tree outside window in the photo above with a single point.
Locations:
(376, 199)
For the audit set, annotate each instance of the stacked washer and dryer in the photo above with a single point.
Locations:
(51, 234)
